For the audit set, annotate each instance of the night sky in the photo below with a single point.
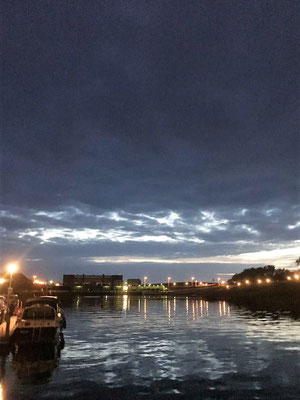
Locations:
(149, 137)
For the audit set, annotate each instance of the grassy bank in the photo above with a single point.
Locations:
(278, 296)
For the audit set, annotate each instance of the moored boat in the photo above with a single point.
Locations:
(42, 321)
(10, 310)
(53, 302)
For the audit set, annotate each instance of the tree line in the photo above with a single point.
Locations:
(268, 271)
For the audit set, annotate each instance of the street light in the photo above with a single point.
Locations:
(11, 268)
(145, 280)
(193, 278)
(169, 280)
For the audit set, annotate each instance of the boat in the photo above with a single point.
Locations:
(53, 302)
(10, 309)
(42, 321)
(37, 361)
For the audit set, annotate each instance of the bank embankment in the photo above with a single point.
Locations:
(277, 296)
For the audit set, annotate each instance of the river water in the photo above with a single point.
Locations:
(161, 348)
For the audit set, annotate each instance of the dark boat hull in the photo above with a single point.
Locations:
(36, 335)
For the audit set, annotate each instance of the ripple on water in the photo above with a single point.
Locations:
(180, 347)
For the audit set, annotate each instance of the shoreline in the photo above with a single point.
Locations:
(278, 296)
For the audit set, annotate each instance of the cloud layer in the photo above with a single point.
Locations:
(163, 131)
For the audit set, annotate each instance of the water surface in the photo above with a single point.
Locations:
(136, 347)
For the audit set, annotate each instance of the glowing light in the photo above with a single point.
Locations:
(296, 276)
(247, 282)
(38, 282)
(289, 278)
(186, 283)
(57, 284)
(259, 281)
(51, 282)
(239, 283)
(145, 280)
(12, 268)
(227, 287)
(125, 288)
(174, 284)
(2, 280)
(268, 280)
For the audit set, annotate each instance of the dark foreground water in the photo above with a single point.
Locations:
(128, 348)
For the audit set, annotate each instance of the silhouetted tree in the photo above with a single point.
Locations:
(268, 271)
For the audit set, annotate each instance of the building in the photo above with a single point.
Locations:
(93, 281)
(133, 282)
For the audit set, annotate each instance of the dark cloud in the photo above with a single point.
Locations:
(148, 108)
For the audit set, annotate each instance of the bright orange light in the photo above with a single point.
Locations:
(268, 280)
(227, 287)
(239, 283)
(2, 280)
(174, 284)
(259, 281)
(12, 268)
(247, 282)
(38, 282)
(289, 278)
(57, 284)
(125, 288)
(186, 283)
(296, 276)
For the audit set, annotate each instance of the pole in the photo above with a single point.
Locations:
(10, 289)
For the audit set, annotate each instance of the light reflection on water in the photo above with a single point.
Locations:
(178, 346)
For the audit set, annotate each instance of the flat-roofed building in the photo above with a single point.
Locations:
(133, 282)
(93, 280)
